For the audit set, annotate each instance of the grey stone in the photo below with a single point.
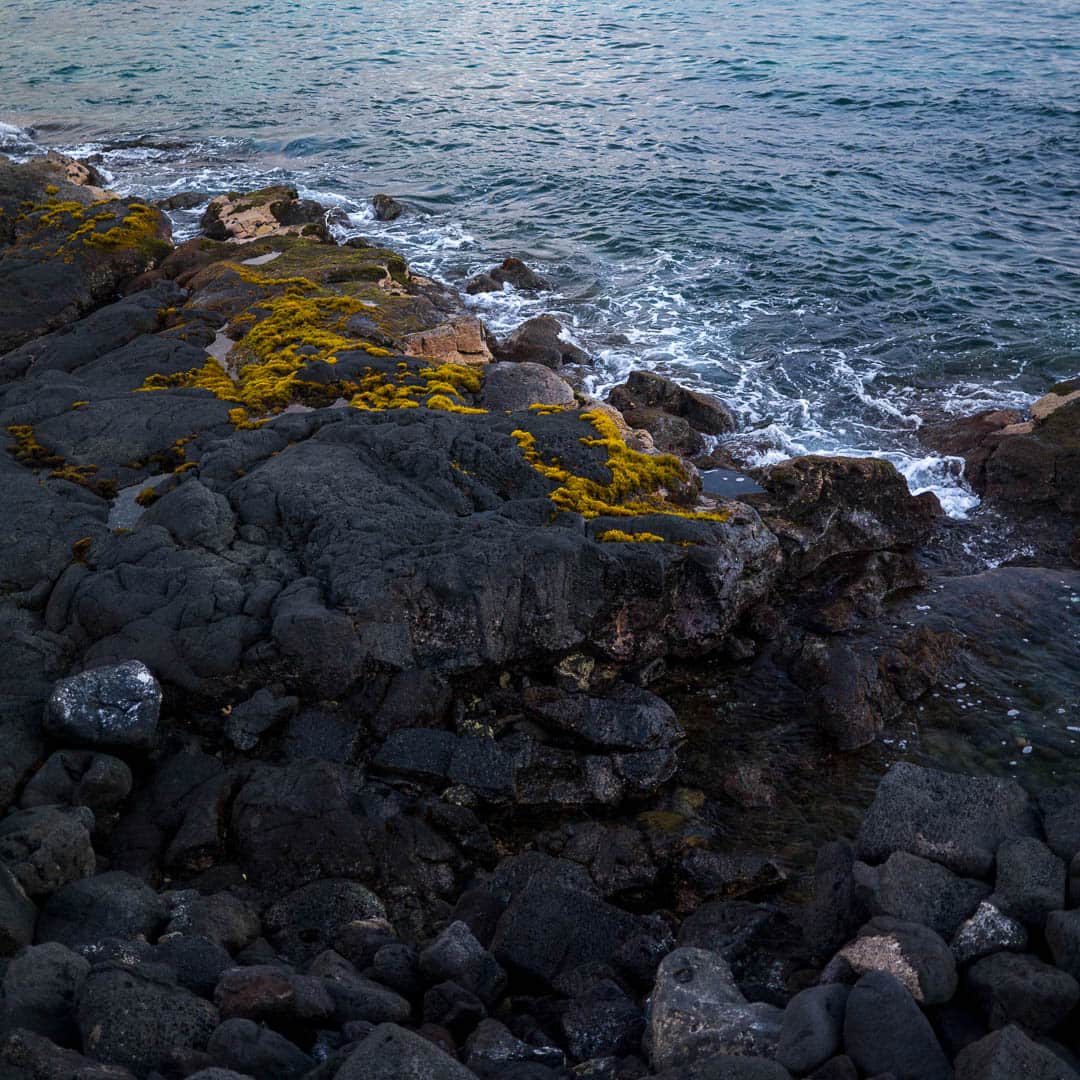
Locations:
(1009, 1054)
(1063, 937)
(17, 914)
(256, 1051)
(107, 706)
(1030, 880)
(886, 1032)
(917, 890)
(392, 1053)
(987, 931)
(958, 821)
(514, 387)
(813, 1028)
(1021, 989)
(79, 778)
(912, 953)
(40, 987)
(601, 1022)
(834, 912)
(48, 847)
(456, 954)
(128, 1018)
(696, 1010)
(111, 905)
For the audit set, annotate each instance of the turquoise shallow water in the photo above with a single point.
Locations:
(844, 217)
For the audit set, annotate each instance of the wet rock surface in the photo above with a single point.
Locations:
(353, 750)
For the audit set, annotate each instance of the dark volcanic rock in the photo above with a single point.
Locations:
(958, 821)
(79, 778)
(40, 986)
(812, 1029)
(392, 1053)
(1030, 880)
(1021, 989)
(920, 891)
(108, 706)
(548, 929)
(58, 258)
(256, 1051)
(834, 912)
(540, 340)
(48, 847)
(509, 272)
(1063, 937)
(1008, 1054)
(111, 905)
(670, 412)
(987, 931)
(307, 921)
(885, 1032)
(456, 954)
(129, 1019)
(913, 954)
(25, 1055)
(516, 387)
(602, 1022)
(386, 208)
(17, 914)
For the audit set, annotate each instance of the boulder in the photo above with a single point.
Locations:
(247, 1048)
(456, 954)
(541, 340)
(958, 821)
(307, 920)
(1063, 936)
(511, 272)
(132, 1019)
(645, 391)
(813, 1028)
(1007, 1054)
(48, 847)
(885, 1032)
(25, 1055)
(834, 911)
(516, 387)
(272, 995)
(602, 1022)
(1017, 988)
(987, 931)
(17, 914)
(919, 891)
(392, 1053)
(41, 985)
(548, 929)
(913, 954)
(1030, 880)
(697, 1010)
(492, 1047)
(386, 208)
(79, 778)
(460, 340)
(110, 905)
(273, 211)
(355, 997)
(117, 705)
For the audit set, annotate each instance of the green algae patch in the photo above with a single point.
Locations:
(637, 480)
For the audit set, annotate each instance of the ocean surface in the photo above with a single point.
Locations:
(845, 218)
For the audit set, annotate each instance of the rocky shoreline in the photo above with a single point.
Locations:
(341, 642)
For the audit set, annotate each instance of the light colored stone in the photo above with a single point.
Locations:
(458, 341)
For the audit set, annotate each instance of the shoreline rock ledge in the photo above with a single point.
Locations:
(335, 704)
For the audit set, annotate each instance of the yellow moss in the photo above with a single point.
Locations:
(51, 189)
(546, 410)
(29, 451)
(186, 467)
(81, 548)
(147, 496)
(239, 419)
(138, 230)
(211, 376)
(636, 478)
(79, 404)
(434, 387)
(54, 211)
(613, 536)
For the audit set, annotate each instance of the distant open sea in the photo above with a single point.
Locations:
(844, 217)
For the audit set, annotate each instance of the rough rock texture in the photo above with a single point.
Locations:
(116, 705)
(392, 1053)
(277, 211)
(1009, 1053)
(1021, 989)
(541, 340)
(958, 821)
